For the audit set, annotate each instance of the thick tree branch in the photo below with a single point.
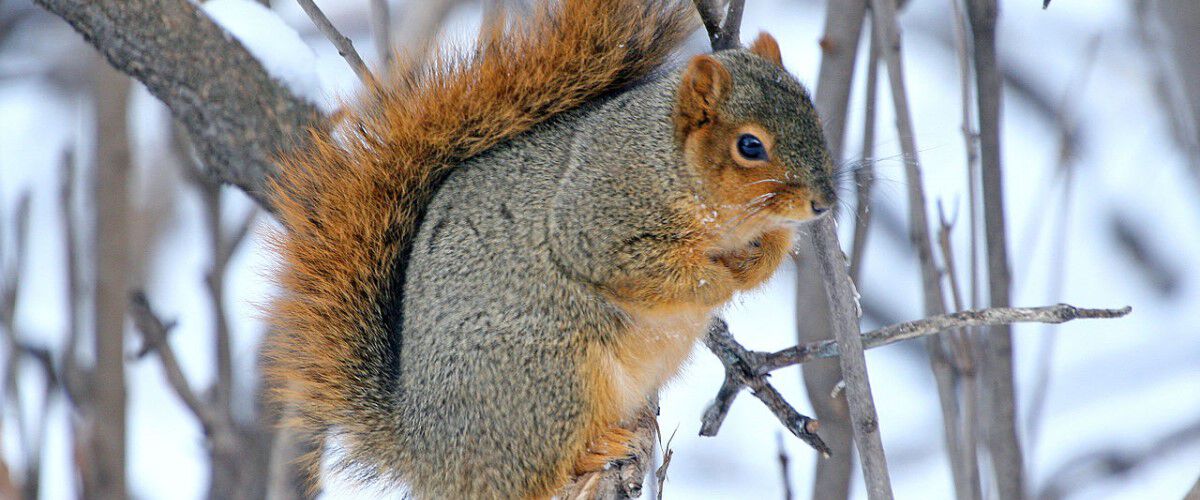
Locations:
(239, 118)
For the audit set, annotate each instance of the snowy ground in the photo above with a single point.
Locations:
(1118, 385)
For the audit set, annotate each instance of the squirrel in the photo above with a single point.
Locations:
(499, 259)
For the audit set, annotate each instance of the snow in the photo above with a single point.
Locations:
(276, 45)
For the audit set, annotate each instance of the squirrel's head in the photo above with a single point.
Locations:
(752, 134)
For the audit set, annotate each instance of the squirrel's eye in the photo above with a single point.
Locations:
(751, 148)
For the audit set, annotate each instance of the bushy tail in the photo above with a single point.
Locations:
(352, 202)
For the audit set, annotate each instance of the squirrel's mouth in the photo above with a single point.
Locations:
(794, 205)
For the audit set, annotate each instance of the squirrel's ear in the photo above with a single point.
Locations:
(767, 48)
(706, 83)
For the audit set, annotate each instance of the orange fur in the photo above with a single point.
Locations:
(611, 444)
(704, 86)
(767, 48)
(351, 203)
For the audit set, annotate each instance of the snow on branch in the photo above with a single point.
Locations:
(239, 117)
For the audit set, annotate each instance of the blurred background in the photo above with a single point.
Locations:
(1101, 148)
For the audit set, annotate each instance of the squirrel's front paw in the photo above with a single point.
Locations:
(757, 261)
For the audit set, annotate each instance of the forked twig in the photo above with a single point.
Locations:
(723, 32)
(748, 368)
(741, 372)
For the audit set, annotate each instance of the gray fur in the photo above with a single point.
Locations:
(502, 289)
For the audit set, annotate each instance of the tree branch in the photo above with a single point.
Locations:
(723, 32)
(1060, 313)
(344, 46)
(746, 368)
(239, 118)
(844, 313)
(997, 365)
(740, 373)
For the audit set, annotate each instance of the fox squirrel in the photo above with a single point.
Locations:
(500, 258)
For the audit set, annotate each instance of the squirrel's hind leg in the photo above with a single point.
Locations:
(612, 444)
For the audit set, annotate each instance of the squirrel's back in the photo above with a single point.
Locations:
(352, 203)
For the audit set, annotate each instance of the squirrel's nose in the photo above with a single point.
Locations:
(819, 208)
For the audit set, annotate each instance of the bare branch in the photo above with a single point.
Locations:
(344, 46)
(154, 336)
(710, 15)
(997, 365)
(864, 175)
(72, 374)
(381, 26)
(112, 253)
(839, 51)
(1060, 313)
(723, 32)
(238, 116)
(739, 373)
(232, 241)
(844, 312)
(887, 32)
(783, 467)
(961, 436)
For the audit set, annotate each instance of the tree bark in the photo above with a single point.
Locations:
(240, 119)
(112, 273)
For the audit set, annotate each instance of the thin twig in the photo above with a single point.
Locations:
(660, 474)
(344, 46)
(864, 176)
(72, 374)
(962, 440)
(154, 336)
(740, 373)
(209, 192)
(218, 428)
(111, 285)
(381, 26)
(1060, 313)
(839, 51)
(1067, 126)
(961, 346)
(997, 364)
(887, 31)
(783, 466)
(29, 432)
